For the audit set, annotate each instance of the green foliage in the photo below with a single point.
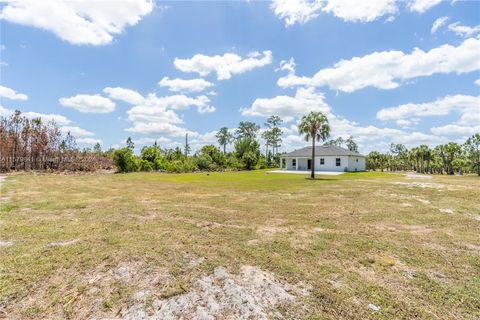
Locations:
(125, 160)
(150, 154)
(247, 151)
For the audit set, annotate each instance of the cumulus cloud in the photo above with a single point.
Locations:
(477, 82)
(302, 11)
(183, 85)
(296, 11)
(126, 95)
(287, 107)
(463, 104)
(58, 119)
(387, 69)
(89, 141)
(224, 66)
(76, 131)
(420, 6)
(157, 115)
(11, 94)
(468, 107)
(456, 129)
(437, 24)
(88, 103)
(464, 31)
(360, 10)
(78, 22)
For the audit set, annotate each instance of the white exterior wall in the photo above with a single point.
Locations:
(354, 165)
(330, 163)
(348, 162)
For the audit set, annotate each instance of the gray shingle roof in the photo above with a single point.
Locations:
(322, 151)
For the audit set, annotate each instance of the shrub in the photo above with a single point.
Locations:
(125, 160)
(146, 165)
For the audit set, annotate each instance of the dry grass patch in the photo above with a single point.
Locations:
(121, 246)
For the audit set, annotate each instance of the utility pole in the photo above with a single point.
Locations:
(187, 147)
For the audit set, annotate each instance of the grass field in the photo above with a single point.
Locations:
(117, 245)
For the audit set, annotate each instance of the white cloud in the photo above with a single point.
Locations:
(360, 10)
(180, 102)
(183, 85)
(296, 11)
(287, 107)
(58, 119)
(89, 141)
(12, 94)
(78, 22)
(437, 24)
(126, 95)
(420, 6)
(76, 131)
(477, 82)
(387, 69)
(88, 103)
(224, 66)
(302, 11)
(455, 129)
(464, 31)
(468, 107)
(440, 107)
(287, 65)
(157, 114)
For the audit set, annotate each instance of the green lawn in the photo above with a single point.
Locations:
(410, 246)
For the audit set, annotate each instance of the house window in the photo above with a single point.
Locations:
(338, 162)
(322, 160)
(356, 160)
(294, 162)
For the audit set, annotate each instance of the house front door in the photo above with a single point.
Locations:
(309, 164)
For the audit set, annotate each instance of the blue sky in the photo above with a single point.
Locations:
(383, 71)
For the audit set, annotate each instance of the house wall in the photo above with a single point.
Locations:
(346, 163)
(330, 163)
(354, 165)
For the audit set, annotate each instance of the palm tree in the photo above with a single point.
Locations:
(224, 137)
(314, 126)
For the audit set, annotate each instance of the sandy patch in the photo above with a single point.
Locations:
(253, 294)
(6, 243)
(420, 184)
(424, 201)
(63, 243)
(406, 205)
(446, 210)
(417, 176)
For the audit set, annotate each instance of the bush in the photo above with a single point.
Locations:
(150, 154)
(125, 160)
(262, 164)
(247, 151)
(146, 165)
(205, 162)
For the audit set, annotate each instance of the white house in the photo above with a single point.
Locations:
(327, 158)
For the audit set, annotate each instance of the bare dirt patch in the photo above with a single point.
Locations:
(63, 243)
(6, 243)
(253, 294)
(418, 176)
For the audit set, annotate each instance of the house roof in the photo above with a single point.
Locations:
(322, 151)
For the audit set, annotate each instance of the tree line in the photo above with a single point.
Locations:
(246, 153)
(449, 158)
(31, 144)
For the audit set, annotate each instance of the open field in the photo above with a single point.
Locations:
(272, 245)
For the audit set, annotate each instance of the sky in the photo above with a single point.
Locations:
(383, 71)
